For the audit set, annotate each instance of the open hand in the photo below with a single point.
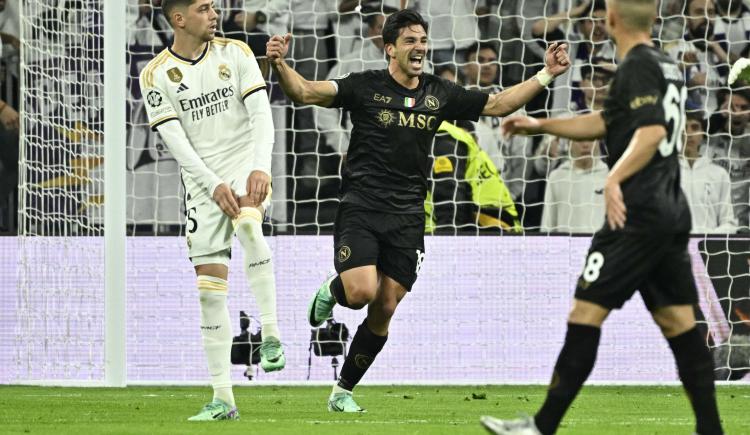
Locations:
(614, 205)
(524, 125)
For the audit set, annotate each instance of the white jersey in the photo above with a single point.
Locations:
(206, 95)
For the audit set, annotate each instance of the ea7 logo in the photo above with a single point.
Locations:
(382, 98)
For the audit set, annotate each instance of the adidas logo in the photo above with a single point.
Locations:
(183, 87)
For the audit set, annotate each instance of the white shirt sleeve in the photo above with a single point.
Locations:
(181, 149)
(260, 114)
(161, 113)
(254, 95)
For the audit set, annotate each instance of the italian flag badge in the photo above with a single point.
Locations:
(409, 102)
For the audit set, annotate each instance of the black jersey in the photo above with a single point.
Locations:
(388, 159)
(648, 89)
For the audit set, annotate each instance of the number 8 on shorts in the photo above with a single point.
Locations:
(594, 264)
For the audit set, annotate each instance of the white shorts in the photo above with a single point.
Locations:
(208, 231)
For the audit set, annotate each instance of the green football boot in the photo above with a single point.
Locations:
(343, 402)
(215, 411)
(321, 305)
(271, 355)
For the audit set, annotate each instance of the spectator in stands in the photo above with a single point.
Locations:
(699, 55)
(583, 28)
(481, 68)
(334, 123)
(252, 21)
(348, 25)
(594, 89)
(729, 147)
(732, 28)
(574, 200)
(706, 184)
(594, 86)
(151, 31)
(311, 55)
(453, 28)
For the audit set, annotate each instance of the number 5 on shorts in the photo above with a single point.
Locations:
(593, 265)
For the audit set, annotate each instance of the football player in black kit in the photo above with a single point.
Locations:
(643, 244)
(379, 228)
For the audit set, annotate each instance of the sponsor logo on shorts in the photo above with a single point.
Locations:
(362, 361)
(211, 328)
(344, 253)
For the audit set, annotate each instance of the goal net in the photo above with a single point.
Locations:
(508, 221)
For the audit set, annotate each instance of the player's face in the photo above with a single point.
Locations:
(410, 50)
(481, 67)
(201, 20)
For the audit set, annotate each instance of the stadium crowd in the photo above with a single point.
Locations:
(548, 184)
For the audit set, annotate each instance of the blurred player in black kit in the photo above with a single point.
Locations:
(643, 244)
(379, 228)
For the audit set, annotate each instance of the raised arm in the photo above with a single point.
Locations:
(296, 87)
(583, 127)
(508, 101)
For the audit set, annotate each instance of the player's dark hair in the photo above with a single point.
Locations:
(167, 7)
(476, 47)
(399, 20)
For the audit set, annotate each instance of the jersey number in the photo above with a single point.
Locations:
(674, 113)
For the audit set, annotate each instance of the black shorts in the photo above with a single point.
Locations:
(618, 264)
(392, 242)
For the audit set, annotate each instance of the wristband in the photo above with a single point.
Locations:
(544, 77)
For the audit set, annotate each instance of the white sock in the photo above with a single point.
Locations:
(259, 268)
(217, 335)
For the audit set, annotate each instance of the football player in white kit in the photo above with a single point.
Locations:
(207, 99)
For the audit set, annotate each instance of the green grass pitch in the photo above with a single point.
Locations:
(391, 410)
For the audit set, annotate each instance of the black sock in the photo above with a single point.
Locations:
(696, 369)
(337, 290)
(362, 352)
(571, 370)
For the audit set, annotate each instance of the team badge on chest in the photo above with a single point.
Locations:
(175, 75)
(224, 72)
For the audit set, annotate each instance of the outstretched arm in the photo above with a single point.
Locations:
(296, 87)
(582, 127)
(511, 99)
